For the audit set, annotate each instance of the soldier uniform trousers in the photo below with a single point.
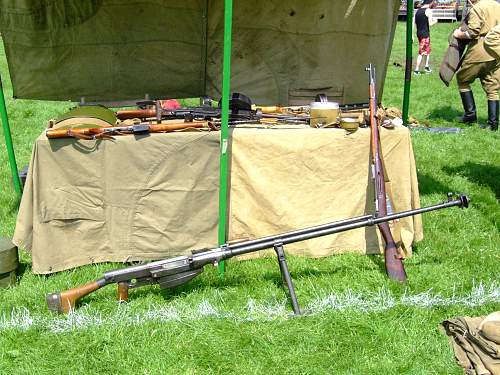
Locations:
(488, 73)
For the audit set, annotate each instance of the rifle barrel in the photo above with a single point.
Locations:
(334, 227)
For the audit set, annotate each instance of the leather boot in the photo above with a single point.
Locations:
(493, 114)
(469, 116)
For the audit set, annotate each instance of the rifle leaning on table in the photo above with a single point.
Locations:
(393, 259)
(109, 132)
(169, 273)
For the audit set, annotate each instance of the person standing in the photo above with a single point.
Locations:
(478, 62)
(423, 22)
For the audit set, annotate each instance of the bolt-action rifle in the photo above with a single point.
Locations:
(109, 132)
(393, 259)
(172, 272)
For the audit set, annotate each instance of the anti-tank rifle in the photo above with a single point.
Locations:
(169, 273)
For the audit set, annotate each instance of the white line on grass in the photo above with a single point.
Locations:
(383, 299)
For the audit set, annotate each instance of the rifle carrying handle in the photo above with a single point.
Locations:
(64, 302)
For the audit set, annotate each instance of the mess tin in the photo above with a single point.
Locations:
(324, 114)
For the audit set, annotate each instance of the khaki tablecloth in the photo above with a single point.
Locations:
(284, 180)
(156, 196)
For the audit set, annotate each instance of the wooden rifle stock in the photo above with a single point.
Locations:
(65, 301)
(393, 260)
(91, 133)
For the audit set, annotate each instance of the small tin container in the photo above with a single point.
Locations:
(349, 124)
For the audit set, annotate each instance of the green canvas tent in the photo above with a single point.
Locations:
(283, 53)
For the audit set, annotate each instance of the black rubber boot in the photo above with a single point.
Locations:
(469, 116)
(493, 114)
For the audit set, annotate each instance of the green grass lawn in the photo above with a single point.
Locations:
(361, 322)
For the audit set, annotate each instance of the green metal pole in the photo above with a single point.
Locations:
(224, 134)
(8, 143)
(409, 60)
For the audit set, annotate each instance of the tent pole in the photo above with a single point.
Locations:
(409, 60)
(224, 133)
(8, 143)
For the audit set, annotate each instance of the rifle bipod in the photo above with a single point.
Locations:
(287, 279)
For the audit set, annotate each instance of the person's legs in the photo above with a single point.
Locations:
(422, 50)
(465, 76)
(428, 56)
(469, 116)
(417, 65)
(490, 82)
(493, 106)
(427, 67)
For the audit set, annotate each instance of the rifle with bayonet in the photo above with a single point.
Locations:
(136, 129)
(393, 259)
(169, 273)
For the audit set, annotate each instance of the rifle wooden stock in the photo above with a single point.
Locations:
(135, 113)
(64, 302)
(72, 133)
(90, 133)
(393, 260)
(159, 128)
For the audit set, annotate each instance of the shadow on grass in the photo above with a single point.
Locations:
(22, 269)
(429, 185)
(247, 280)
(378, 260)
(14, 206)
(447, 113)
(481, 174)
